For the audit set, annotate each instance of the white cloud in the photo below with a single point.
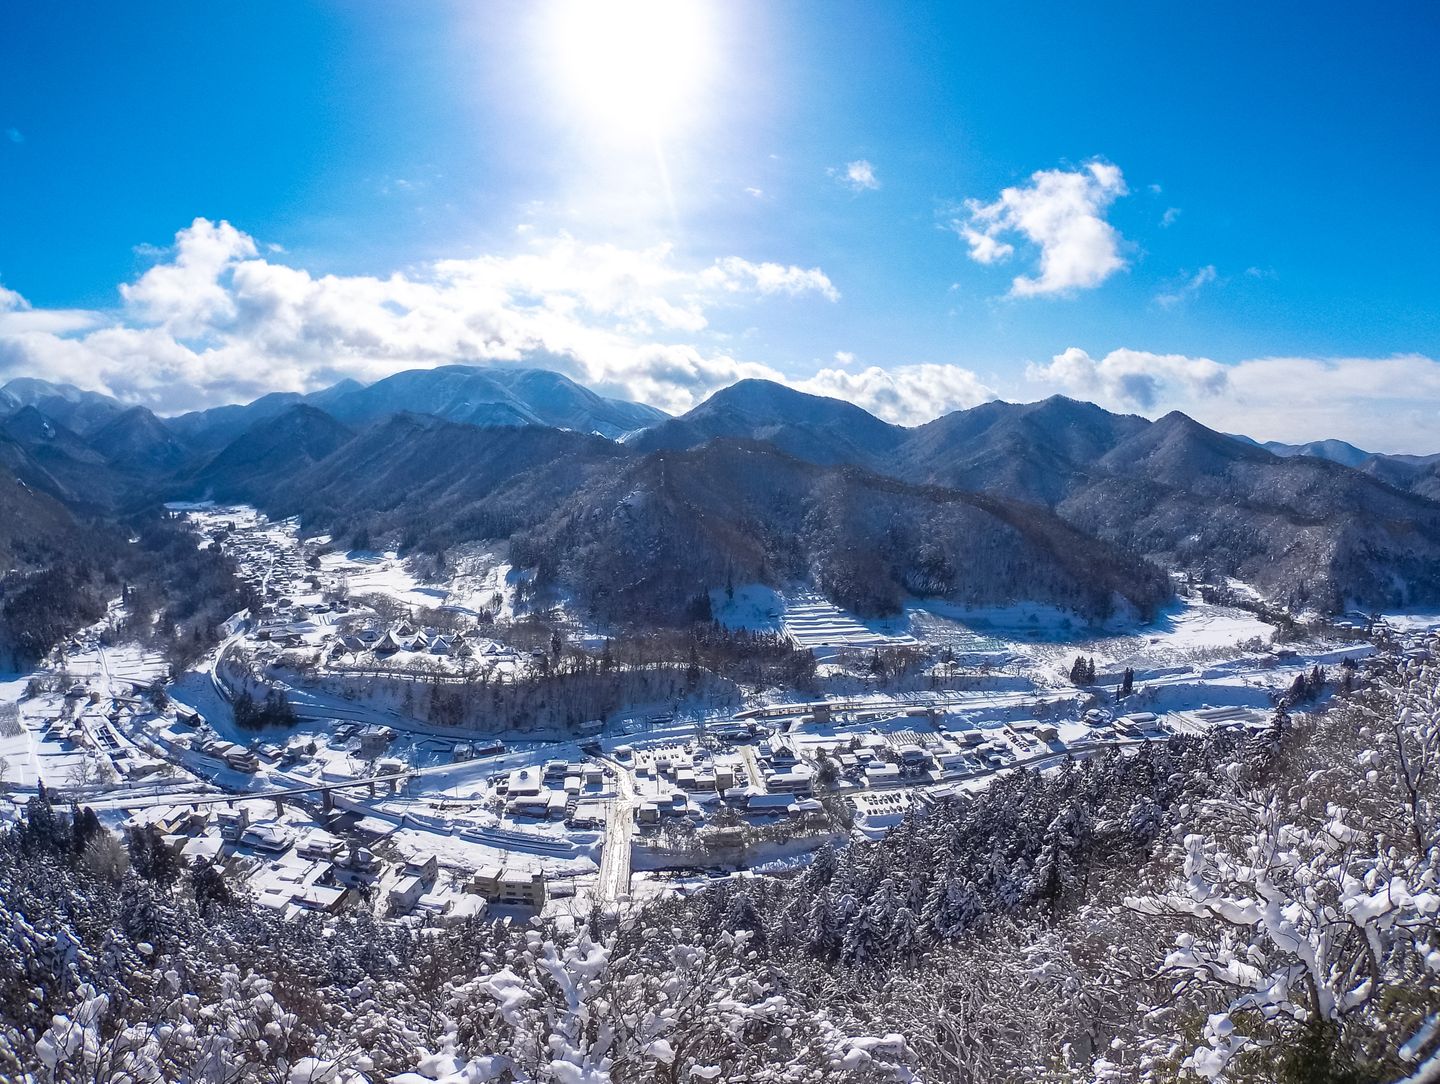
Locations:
(215, 321)
(1188, 287)
(858, 175)
(1130, 379)
(984, 248)
(185, 295)
(1170, 216)
(735, 275)
(1381, 404)
(1062, 212)
(905, 394)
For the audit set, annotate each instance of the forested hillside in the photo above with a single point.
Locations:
(1057, 502)
(63, 575)
(648, 537)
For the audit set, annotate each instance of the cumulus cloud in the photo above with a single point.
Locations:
(185, 295)
(1389, 404)
(1060, 212)
(905, 394)
(1131, 378)
(216, 320)
(985, 248)
(859, 176)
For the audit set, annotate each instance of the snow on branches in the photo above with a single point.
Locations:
(1299, 918)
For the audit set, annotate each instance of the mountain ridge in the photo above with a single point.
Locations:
(1303, 529)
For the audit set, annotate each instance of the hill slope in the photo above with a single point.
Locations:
(811, 427)
(269, 451)
(138, 441)
(1303, 529)
(647, 539)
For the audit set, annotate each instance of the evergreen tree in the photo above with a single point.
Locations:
(824, 936)
(905, 935)
(208, 885)
(742, 915)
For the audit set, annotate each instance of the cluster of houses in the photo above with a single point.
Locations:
(235, 757)
(683, 780)
(771, 778)
(265, 563)
(293, 611)
(93, 728)
(296, 868)
(556, 791)
(406, 638)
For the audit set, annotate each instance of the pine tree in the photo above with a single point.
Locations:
(244, 709)
(138, 842)
(742, 915)
(209, 887)
(905, 935)
(861, 938)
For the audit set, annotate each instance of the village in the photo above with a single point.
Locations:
(265, 763)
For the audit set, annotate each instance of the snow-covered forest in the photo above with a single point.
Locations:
(1253, 909)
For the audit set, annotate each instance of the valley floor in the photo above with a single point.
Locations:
(364, 803)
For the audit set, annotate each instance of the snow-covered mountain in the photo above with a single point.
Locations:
(1337, 451)
(812, 427)
(493, 396)
(469, 394)
(404, 457)
(72, 407)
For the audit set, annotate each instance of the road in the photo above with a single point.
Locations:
(756, 777)
(212, 798)
(614, 884)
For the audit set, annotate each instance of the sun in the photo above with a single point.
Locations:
(632, 68)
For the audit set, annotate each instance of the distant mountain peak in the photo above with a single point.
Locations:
(1336, 451)
(75, 408)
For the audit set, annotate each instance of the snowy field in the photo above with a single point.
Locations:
(480, 580)
(1042, 637)
(806, 618)
(814, 622)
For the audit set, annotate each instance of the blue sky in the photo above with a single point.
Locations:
(1211, 207)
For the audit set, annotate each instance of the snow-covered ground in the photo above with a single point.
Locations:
(409, 789)
(1188, 630)
(814, 622)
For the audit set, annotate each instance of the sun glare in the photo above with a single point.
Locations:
(632, 68)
